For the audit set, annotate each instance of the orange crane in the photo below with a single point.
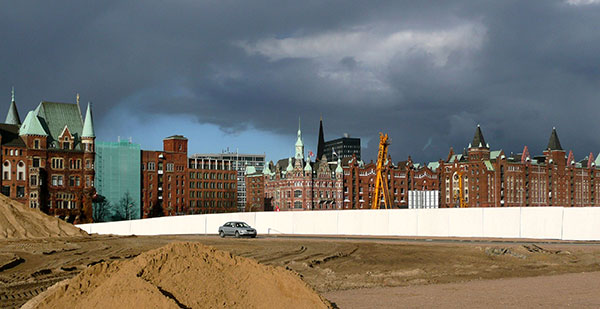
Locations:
(461, 193)
(381, 181)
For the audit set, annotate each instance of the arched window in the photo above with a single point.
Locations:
(21, 170)
(6, 170)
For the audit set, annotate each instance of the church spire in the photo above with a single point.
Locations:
(299, 144)
(321, 142)
(12, 117)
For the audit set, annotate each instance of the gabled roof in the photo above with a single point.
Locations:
(32, 126)
(55, 116)
(554, 143)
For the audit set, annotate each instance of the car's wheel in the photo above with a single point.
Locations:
(221, 234)
(237, 234)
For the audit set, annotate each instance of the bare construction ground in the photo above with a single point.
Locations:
(28, 267)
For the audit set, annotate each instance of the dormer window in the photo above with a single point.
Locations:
(66, 145)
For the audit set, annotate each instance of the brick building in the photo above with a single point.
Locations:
(173, 184)
(490, 178)
(164, 188)
(493, 179)
(212, 186)
(48, 159)
(297, 183)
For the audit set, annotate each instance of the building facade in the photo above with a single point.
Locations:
(164, 174)
(212, 186)
(48, 159)
(296, 184)
(238, 162)
(343, 147)
(118, 181)
(477, 177)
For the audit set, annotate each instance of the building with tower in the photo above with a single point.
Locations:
(48, 159)
(296, 183)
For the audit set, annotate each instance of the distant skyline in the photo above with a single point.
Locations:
(239, 74)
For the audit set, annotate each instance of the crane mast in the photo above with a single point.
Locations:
(381, 181)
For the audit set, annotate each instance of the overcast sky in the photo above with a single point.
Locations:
(238, 74)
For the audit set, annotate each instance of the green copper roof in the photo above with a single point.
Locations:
(32, 126)
(290, 167)
(489, 165)
(308, 168)
(12, 117)
(55, 116)
(339, 168)
(494, 154)
(267, 169)
(433, 165)
(88, 124)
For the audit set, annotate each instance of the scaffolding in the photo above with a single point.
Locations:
(118, 179)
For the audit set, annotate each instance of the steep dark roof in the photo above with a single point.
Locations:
(10, 135)
(478, 139)
(554, 143)
(321, 142)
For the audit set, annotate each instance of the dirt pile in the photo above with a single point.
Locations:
(182, 275)
(18, 221)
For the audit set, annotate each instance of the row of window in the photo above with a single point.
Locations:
(211, 194)
(211, 185)
(219, 176)
(170, 167)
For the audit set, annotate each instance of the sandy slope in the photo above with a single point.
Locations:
(18, 221)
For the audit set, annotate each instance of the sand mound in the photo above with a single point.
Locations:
(18, 221)
(182, 275)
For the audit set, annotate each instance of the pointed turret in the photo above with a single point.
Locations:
(478, 140)
(88, 123)
(299, 144)
(339, 169)
(308, 168)
(554, 143)
(12, 117)
(290, 167)
(267, 169)
(321, 142)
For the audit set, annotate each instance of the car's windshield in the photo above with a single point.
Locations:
(241, 224)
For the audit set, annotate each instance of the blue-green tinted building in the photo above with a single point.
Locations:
(118, 181)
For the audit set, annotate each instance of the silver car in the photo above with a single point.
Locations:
(237, 229)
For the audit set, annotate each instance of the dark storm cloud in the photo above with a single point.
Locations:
(426, 73)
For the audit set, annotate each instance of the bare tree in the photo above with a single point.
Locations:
(101, 207)
(128, 205)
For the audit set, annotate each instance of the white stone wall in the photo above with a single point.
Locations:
(531, 222)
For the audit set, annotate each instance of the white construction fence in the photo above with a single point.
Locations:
(527, 222)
